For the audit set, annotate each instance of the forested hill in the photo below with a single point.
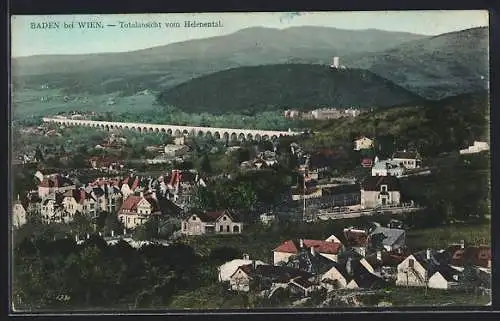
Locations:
(249, 90)
(434, 67)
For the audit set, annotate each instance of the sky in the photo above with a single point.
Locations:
(28, 39)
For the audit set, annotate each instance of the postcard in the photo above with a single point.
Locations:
(209, 161)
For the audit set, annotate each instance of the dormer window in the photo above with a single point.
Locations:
(383, 188)
(193, 218)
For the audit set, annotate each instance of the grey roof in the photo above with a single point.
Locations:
(391, 234)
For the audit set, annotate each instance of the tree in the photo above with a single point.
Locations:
(205, 165)
(39, 155)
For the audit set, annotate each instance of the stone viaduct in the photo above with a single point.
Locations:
(217, 133)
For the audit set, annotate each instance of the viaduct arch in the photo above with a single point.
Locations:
(217, 133)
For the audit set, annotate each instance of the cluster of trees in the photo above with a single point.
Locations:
(457, 191)
(61, 274)
(246, 191)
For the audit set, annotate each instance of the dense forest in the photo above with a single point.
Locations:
(249, 90)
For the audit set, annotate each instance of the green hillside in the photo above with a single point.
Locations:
(279, 87)
(434, 67)
(440, 126)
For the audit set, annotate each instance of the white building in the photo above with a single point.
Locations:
(363, 143)
(380, 191)
(175, 150)
(388, 168)
(227, 269)
(477, 147)
(425, 269)
(18, 214)
(335, 62)
(409, 159)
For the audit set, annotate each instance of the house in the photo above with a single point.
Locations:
(55, 183)
(367, 162)
(34, 203)
(267, 277)
(267, 218)
(363, 143)
(385, 263)
(129, 185)
(409, 159)
(175, 150)
(388, 168)
(427, 268)
(52, 210)
(380, 191)
(137, 209)
(78, 200)
(352, 272)
(222, 222)
(356, 239)
(226, 270)
(329, 249)
(18, 214)
(477, 147)
(391, 239)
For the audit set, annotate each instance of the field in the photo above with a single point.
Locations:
(439, 237)
(41, 102)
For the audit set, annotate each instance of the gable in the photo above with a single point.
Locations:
(224, 218)
(438, 277)
(143, 203)
(239, 273)
(417, 265)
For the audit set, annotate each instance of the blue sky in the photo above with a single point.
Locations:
(27, 41)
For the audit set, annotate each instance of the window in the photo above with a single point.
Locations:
(411, 263)
(221, 228)
(185, 226)
(236, 229)
(193, 218)
(128, 219)
(224, 218)
(227, 228)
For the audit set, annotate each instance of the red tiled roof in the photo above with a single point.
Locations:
(130, 204)
(320, 246)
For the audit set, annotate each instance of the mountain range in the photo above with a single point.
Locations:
(433, 67)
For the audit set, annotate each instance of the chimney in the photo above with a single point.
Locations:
(100, 234)
(462, 244)
(246, 257)
(124, 231)
(88, 236)
(313, 251)
(428, 254)
(254, 264)
(112, 233)
(141, 194)
(76, 238)
(379, 255)
(301, 241)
